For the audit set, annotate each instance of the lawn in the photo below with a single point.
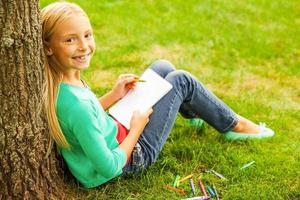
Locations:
(246, 51)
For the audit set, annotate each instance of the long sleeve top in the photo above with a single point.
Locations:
(94, 156)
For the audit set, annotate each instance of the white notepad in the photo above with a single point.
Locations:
(141, 98)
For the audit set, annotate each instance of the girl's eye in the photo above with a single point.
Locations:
(88, 35)
(70, 40)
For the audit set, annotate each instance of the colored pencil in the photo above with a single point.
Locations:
(139, 80)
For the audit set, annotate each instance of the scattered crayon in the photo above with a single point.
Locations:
(198, 198)
(179, 190)
(186, 178)
(248, 165)
(178, 184)
(201, 185)
(211, 191)
(215, 190)
(217, 174)
(192, 186)
(176, 181)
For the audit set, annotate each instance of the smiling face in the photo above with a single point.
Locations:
(72, 45)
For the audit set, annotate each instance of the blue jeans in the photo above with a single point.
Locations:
(191, 99)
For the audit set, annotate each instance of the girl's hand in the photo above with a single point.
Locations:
(139, 120)
(124, 83)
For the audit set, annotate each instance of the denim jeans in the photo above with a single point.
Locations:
(191, 99)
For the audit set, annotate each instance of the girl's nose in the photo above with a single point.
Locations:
(83, 45)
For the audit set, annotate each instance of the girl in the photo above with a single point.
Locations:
(95, 146)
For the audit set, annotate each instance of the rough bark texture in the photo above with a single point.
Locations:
(25, 173)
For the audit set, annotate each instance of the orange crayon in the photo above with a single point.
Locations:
(179, 190)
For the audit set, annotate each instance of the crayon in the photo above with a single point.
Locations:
(215, 190)
(185, 178)
(248, 164)
(179, 190)
(198, 198)
(178, 184)
(217, 174)
(211, 191)
(192, 186)
(176, 181)
(201, 185)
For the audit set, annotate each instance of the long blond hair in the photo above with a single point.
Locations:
(51, 16)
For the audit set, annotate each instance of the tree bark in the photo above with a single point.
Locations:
(25, 173)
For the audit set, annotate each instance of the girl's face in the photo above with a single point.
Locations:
(72, 45)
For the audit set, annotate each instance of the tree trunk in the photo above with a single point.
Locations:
(25, 173)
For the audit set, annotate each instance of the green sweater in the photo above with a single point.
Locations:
(94, 156)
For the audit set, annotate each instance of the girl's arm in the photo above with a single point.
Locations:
(137, 124)
(124, 83)
(86, 128)
(108, 99)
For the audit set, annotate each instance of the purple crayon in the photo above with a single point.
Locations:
(192, 186)
(198, 198)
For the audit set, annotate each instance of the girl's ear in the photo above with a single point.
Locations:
(48, 50)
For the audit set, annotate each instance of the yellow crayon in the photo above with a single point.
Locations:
(186, 178)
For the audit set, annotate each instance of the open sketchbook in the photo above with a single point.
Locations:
(141, 98)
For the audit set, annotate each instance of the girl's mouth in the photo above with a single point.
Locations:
(82, 58)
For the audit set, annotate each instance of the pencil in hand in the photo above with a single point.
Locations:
(139, 80)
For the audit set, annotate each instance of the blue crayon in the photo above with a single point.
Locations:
(192, 186)
(211, 191)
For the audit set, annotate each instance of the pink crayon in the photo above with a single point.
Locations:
(201, 185)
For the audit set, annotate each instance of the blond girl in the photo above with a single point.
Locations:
(95, 146)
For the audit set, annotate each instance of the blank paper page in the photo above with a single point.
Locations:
(141, 98)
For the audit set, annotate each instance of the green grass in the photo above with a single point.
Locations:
(247, 52)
